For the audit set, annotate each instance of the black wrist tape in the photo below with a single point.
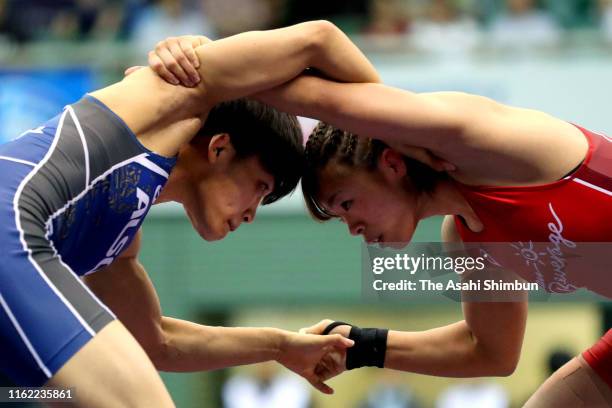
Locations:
(369, 349)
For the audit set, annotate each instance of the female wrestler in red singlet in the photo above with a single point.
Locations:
(521, 177)
(513, 176)
(559, 217)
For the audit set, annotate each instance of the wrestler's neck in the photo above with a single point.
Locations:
(193, 163)
(190, 165)
(171, 190)
(447, 199)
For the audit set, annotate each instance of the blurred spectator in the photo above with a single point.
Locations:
(168, 18)
(230, 17)
(267, 388)
(523, 26)
(444, 30)
(65, 20)
(64, 26)
(349, 15)
(605, 10)
(387, 17)
(474, 393)
(27, 20)
(571, 13)
(78, 20)
(390, 392)
(3, 18)
(101, 20)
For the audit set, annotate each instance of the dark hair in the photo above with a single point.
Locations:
(327, 143)
(259, 130)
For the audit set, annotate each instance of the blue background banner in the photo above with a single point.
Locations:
(29, 97)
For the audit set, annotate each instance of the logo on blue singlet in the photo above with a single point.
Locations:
(128, 231)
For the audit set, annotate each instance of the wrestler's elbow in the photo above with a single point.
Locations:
(486, 366)
(508, 356)
(322, 31)
(506, 366)
(500, 364)
(156, 346)
(496, 358)
(318, 35)
(159, 354)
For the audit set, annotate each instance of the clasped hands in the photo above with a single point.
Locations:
(317, 358)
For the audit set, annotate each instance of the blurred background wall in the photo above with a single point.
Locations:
(286, 270)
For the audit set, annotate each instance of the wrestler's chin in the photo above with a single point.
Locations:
(201, 226)
(211, 234)
(206, 232)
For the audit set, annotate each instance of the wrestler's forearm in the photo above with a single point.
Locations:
(192, 347)
(251, 62)
(449, 351)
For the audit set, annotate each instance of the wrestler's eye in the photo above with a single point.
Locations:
(346, 205)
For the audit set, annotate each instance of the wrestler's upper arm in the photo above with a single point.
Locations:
(496, 326)
(374, 110)
(133, 250)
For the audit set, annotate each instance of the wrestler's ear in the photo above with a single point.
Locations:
(391, 164)
(220, 148)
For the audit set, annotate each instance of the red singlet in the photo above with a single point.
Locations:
(558, 217)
